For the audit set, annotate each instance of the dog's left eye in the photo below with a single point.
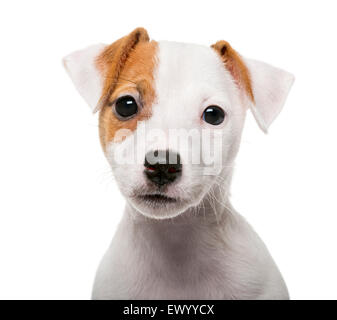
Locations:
(213, 115)
(126, 106)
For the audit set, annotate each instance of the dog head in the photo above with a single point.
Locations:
(171, 114)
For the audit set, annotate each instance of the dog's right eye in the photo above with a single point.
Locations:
(126, 106)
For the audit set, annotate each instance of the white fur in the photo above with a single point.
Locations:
(270, 87)
(82, 70)
(199, 247)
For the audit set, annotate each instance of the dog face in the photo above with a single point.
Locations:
(171, 114)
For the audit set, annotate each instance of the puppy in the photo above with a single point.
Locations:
(179, 238)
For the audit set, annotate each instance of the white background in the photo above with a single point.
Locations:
(59, 206)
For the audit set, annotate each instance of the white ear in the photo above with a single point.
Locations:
(82, 70)
(270, 88)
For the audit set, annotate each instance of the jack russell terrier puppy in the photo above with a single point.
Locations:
(179, 238)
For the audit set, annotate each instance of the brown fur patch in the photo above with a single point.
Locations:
(235, 66)
(127, 66)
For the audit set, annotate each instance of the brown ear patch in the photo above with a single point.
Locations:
(127, 65)
(112, 60)
(235, 65)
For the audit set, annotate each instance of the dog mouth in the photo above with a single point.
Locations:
(156, 199)
(158, 204)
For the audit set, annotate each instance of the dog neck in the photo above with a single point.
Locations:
(175, 244)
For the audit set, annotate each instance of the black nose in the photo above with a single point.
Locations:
(162, 166)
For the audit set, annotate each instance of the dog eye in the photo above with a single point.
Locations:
(213, 115)
(126, 106)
